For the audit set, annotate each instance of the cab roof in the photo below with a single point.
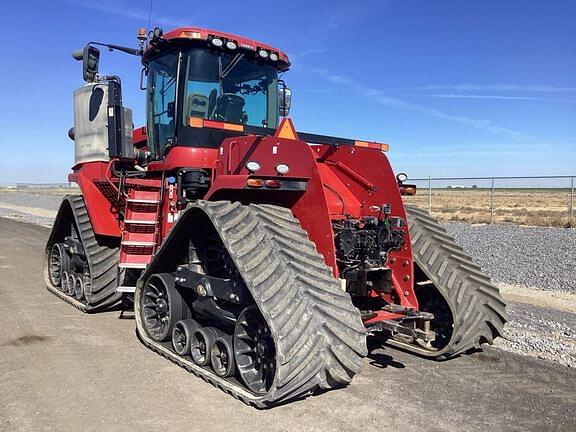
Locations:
(202, 35)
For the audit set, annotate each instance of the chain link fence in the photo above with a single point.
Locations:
(537, 200)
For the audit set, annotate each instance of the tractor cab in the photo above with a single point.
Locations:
(205, 85)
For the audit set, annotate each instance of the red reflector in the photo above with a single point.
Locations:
(273, 183)
(255, 182)
(409, 190)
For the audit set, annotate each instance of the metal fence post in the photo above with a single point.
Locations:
(571, 209)
(492, 203)
(430, 195)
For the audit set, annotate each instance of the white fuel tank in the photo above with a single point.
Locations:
(90, 123)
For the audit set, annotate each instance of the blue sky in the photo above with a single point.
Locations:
(456, 87)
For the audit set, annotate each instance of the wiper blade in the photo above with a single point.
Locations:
(231, 65)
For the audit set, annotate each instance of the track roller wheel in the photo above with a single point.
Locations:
(71, 284)
(222, 356)
(57, 264)
(162, 306)
(64, 283)
(182, 335)
(201, 343)
(87, 287)
(79, 288)
(254, 351)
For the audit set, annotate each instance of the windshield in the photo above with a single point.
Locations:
(229, 88)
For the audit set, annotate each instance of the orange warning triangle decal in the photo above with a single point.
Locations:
(286, 130)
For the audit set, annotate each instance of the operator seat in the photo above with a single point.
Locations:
(212, 103)
(229, 108)
(197, 105)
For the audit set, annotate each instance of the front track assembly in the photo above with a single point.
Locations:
(294, 332)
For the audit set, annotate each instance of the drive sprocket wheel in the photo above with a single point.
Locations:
(163, 306)
(57, 264)
(254, 351)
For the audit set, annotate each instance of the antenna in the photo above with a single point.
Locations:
(150, 15)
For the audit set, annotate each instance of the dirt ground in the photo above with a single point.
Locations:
(66, 371)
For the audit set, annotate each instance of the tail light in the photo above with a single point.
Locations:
(273, 184)
(255, 183)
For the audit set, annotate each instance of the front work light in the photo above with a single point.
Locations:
(217, 42)
(231, 45)
(282, 168)
(402, 177)
(263, 53)
(253, 166)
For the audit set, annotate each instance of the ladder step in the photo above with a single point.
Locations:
(140, 222)
(137, 243)
(133, 265)
(142, 201)
(126, 289)
(424, 283)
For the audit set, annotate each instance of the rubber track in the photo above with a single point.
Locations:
(102, 259)
(476, 304)
(319, 335)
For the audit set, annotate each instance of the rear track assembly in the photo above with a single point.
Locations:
(468, 308)
(101, 256)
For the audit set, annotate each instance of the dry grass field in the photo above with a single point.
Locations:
(536, 207)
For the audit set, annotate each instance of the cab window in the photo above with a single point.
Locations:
(161, 98)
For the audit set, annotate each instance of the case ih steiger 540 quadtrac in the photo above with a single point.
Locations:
(257, 257)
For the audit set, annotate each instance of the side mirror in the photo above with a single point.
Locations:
(90, 57)
(284, 100)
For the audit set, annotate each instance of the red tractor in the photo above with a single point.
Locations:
(256, 257)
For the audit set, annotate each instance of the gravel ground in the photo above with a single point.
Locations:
(535, 257)
(511, 255)
(540, 332)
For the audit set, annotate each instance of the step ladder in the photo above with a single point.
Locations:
(139, 231)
